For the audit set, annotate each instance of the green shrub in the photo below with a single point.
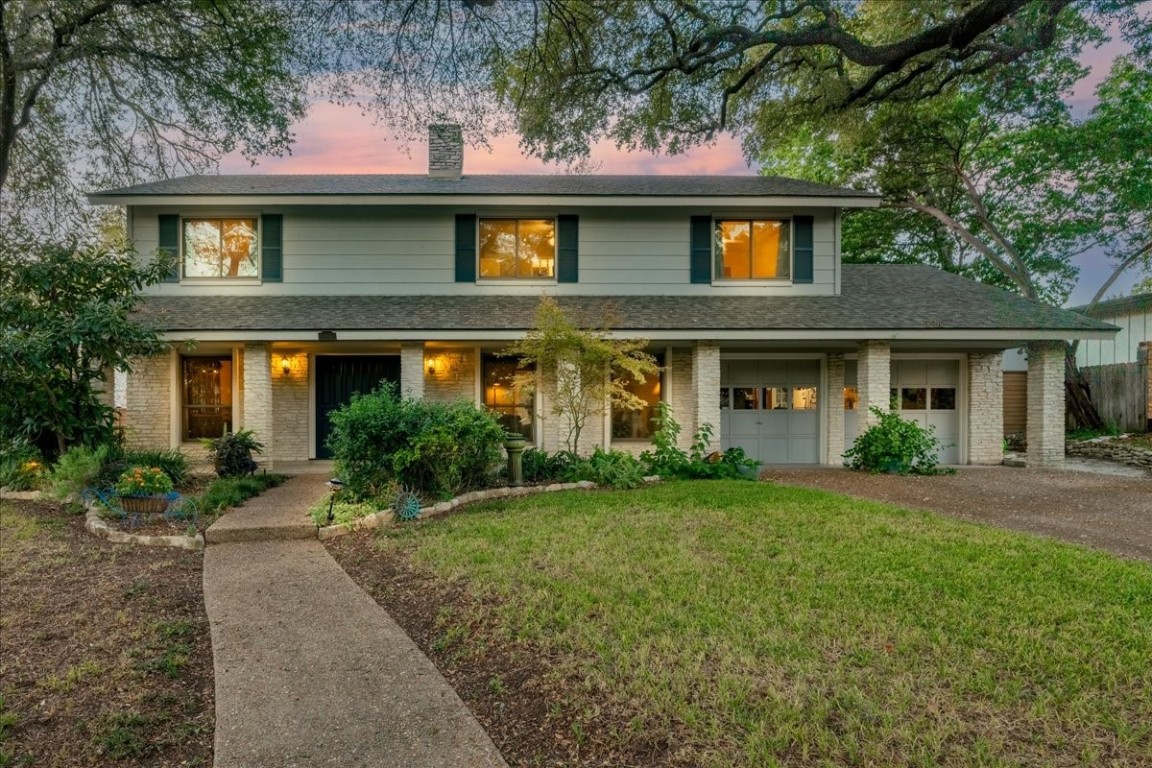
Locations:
(671, 462)
(894, 445)
(227, 492)
(117, 461)
(76, 470)
(232, 453)
(541, 466)
(21, 466)
(437, 450)
(613, 469)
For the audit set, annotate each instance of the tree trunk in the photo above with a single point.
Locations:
(1079, 394)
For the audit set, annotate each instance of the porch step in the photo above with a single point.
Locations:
(280, 514)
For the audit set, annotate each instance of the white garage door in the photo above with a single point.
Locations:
(925, 391)
(771, 409)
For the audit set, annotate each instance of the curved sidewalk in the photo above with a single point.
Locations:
(309, 670)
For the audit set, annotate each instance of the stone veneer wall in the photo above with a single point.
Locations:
(458, 379)
(985, 408)
(682, 395)
(834, 403)
(873, 381)
(257, 398)
(1045, 403)
(706, 388)
(290, 410)
(147, 416)
(412, 371)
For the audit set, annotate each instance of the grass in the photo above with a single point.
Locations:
(753, 624)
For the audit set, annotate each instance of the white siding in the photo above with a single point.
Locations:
(1123, 347)
(398, 251)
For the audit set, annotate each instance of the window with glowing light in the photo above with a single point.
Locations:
(516, 249)
(207, 391)
(638, 425)
(503, 397)
(753, 249)
(220, 248)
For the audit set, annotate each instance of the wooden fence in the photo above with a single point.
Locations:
(1120, 393)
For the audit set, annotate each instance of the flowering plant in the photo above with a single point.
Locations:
(143, 481)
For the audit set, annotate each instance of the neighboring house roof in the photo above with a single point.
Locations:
(1141, 302)
(397, 184)
(893, 297)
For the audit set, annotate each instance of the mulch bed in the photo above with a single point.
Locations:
(105, 653)
(534, 714)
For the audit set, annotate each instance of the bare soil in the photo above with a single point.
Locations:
(1101, 511)
(105, 654)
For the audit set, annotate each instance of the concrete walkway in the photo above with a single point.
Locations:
(310, 671)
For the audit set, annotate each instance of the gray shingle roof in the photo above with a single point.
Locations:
(1141, 302)
(874, 296)
(657, 186)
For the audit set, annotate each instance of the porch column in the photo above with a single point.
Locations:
(257, 378)
(873, 380)
(834, 442)
(985, 408)
(706, 388)
(1046, 418)
(412, 371)
(1144, 357)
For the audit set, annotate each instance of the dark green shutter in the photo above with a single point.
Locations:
(465, 247)
(802, 249)
(272, 248)
(169, 241)
(701, 239)
(568, 250)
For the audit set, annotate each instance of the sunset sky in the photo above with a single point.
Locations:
(334, 139)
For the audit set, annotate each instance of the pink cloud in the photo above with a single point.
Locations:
(335, 139)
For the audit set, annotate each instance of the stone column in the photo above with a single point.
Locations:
(258, 398)
(1046, 419)
(706, 388)
(147, 412)
(985, 408)
(873, 380)
(682, 396)
(834, 443)
(412, 371)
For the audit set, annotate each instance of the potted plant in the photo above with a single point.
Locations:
(231, 454)
(144, 489)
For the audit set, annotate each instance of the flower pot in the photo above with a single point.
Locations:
(151, 504)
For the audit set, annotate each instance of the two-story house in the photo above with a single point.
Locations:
(299, 290)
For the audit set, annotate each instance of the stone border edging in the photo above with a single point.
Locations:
(1110, 449)
(385, 516)
(97, 527)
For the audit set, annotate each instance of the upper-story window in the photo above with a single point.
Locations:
(753, 249)
(517, 248)
(221, 248)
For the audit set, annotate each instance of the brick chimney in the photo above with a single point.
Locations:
(445, 151)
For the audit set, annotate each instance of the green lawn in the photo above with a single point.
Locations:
(763, 625)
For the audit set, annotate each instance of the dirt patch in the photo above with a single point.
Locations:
(1101, 511)
(535, 713)
(105, 655)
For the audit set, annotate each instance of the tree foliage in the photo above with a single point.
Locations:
(583, 368)
(65, 323)
(96, 93)
(657, 74)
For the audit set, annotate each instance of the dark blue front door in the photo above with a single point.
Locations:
(338, 377)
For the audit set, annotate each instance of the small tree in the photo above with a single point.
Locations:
(588, 366)
(65, 321)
